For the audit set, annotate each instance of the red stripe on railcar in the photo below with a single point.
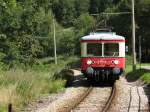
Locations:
(109, 41)
(102, 62)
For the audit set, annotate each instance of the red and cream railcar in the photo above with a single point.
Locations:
(102, 55)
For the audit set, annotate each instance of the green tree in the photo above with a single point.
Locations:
(83, 25)
(66, 42)
(3, 46)
(29, 48)
(64, 11)
(82, 6)
(98, 6)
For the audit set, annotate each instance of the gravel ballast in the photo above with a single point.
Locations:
(130, 98)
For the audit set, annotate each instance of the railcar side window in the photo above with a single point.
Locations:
(94, 49)
(111, 49)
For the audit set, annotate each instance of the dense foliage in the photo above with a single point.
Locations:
(26, 26)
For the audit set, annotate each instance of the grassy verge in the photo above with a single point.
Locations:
(20, 87)
(138, 74)
(142, 74)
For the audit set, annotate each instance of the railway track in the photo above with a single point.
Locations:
(135, 102)
(97, 99)
(82, 97)
(112, 95)
(131, 97)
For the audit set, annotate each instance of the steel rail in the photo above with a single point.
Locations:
(83, 97)
(110, 99)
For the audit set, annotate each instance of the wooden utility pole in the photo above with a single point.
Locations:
(140, 55)
(133, 38)
(10, 107)
(54, 34)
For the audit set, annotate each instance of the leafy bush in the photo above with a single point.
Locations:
(146, 77)
(135, 75)
(29, 48)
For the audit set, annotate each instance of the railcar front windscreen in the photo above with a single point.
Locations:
(100, 49)
(111, 49)
(94, 49)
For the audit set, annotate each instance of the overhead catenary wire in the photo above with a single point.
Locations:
(112, 13)
(109, 13)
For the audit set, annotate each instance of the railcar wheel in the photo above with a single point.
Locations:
(117, 78)
(112, 79)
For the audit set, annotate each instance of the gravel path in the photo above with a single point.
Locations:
(146, 67)
(131, 98)
(42, 102)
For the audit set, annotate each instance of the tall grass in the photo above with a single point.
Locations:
(128, 67)
(20, 87)
(146, 77)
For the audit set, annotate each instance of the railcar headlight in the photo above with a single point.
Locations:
(90, 70)
(89, 62)
(116, 62)
(116, 70)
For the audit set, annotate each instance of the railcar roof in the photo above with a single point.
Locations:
(103, 36)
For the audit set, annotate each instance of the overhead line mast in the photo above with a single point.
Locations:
(54, 36)
(133, 37)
